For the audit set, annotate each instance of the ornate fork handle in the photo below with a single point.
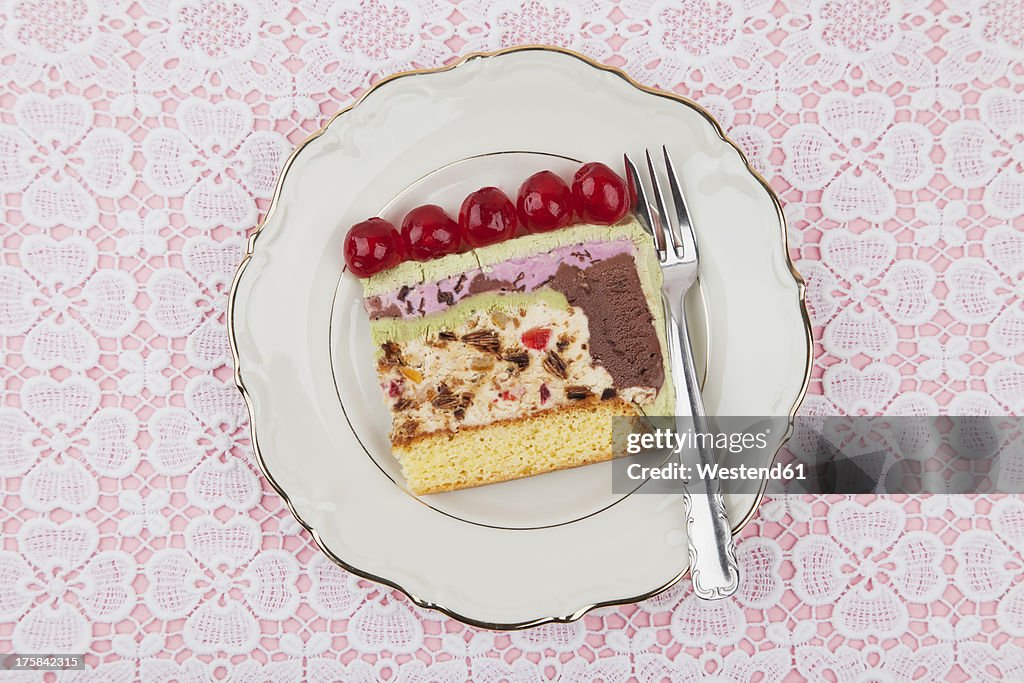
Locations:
(713, 567)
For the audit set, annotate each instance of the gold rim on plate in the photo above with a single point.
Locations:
(233, 341)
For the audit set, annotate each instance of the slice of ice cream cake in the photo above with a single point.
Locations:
(513, 358)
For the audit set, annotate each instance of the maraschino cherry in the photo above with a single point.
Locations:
(599, 194)
(536, 338)
(429, 233)
(487, 217)
(372, 246)
(545, 202)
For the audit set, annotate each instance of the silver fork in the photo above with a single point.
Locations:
(713, 567)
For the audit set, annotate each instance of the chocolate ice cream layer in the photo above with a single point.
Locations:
(622, 334)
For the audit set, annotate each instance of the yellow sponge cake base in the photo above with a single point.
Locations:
(550, 440)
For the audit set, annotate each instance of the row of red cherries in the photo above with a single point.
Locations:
(545, 202)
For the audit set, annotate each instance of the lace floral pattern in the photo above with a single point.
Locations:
(140, 141)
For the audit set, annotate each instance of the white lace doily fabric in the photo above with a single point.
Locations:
(140, 141)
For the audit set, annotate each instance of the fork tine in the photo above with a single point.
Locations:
(685, 226)
(666, 221)
(643, 208)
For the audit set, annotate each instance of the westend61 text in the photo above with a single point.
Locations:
(704, 471)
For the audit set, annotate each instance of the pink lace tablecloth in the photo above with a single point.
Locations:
(140, 141)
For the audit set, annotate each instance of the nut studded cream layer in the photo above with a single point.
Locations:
(511, 360)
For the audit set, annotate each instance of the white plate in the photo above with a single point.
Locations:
(534, 550)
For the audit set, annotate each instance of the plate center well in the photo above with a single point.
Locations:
(546, 500)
